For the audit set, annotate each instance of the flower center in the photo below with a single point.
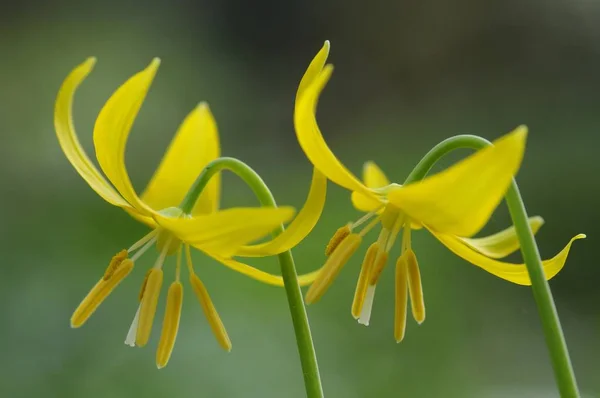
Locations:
(166, 240)
(346, 241)
(344, 244)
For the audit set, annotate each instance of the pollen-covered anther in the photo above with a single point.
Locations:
(148, 308)
(144, 283)
(378, 266)
(363, 280)
(214, 320)
(99, 292)
(115, 262)
(170, 324)
(337, 238)
(415, 287)
(332, 267)
(401, 298)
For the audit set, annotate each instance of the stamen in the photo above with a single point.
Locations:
(366, 218)
(115, 262)
(337, 238)
(378, 266)
(394, 234)
(214, 320)
(210, 312)
(363, 279)
(381, 257)
(401, 299)
(415, 288)
(143, 250)
(142, 241)
(178, 265)
(130, 339)
(406, 238)
(148, 306)
(365, 314)
(332, 267)
(99, 292)
(170, 324)
(144, 283)
(369, 226)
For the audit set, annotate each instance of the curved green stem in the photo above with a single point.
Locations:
(306, 349)
(559, 354)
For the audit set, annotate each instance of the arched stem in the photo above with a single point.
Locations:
(559, 354)
(308, 358)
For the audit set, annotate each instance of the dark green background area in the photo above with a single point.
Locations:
(408, 74)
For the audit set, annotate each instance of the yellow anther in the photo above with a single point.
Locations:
(378, 266)
(415, 288)
(363, 279)
(144, 283)
(401, 298)
(99, 292)
(210, 312)
(115, 262)
(332, 267)
(148, 308)
(170, 324)
(337, 238)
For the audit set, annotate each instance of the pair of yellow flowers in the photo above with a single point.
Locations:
(453, 205)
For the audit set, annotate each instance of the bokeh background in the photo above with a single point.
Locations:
(408, 74)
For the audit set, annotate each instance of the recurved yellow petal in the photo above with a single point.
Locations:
(262, 276)
(373, 177)
(149, 221)
(67, 137)
(461, 199)
(112, 130)
(170, 324)
(299, 228)
(516, 273)
(195, 144)
(311, 140)
(224, 232)
(503, 243)
(364, 203)
(314, 69)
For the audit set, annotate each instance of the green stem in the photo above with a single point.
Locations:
(555, 340)
(306, 349)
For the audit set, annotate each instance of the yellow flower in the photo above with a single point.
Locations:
(453, 205)
(219, 234)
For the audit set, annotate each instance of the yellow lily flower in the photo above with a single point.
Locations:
(453, 205)
(219, 234)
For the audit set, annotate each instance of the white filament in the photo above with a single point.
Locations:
(365, 313)
(142, 241)
(131, 334)
(143, 250)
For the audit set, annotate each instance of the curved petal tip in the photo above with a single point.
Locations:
(90, 62)
(521, 130)
(539, 220)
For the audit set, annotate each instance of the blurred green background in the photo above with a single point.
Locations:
(408, 74)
